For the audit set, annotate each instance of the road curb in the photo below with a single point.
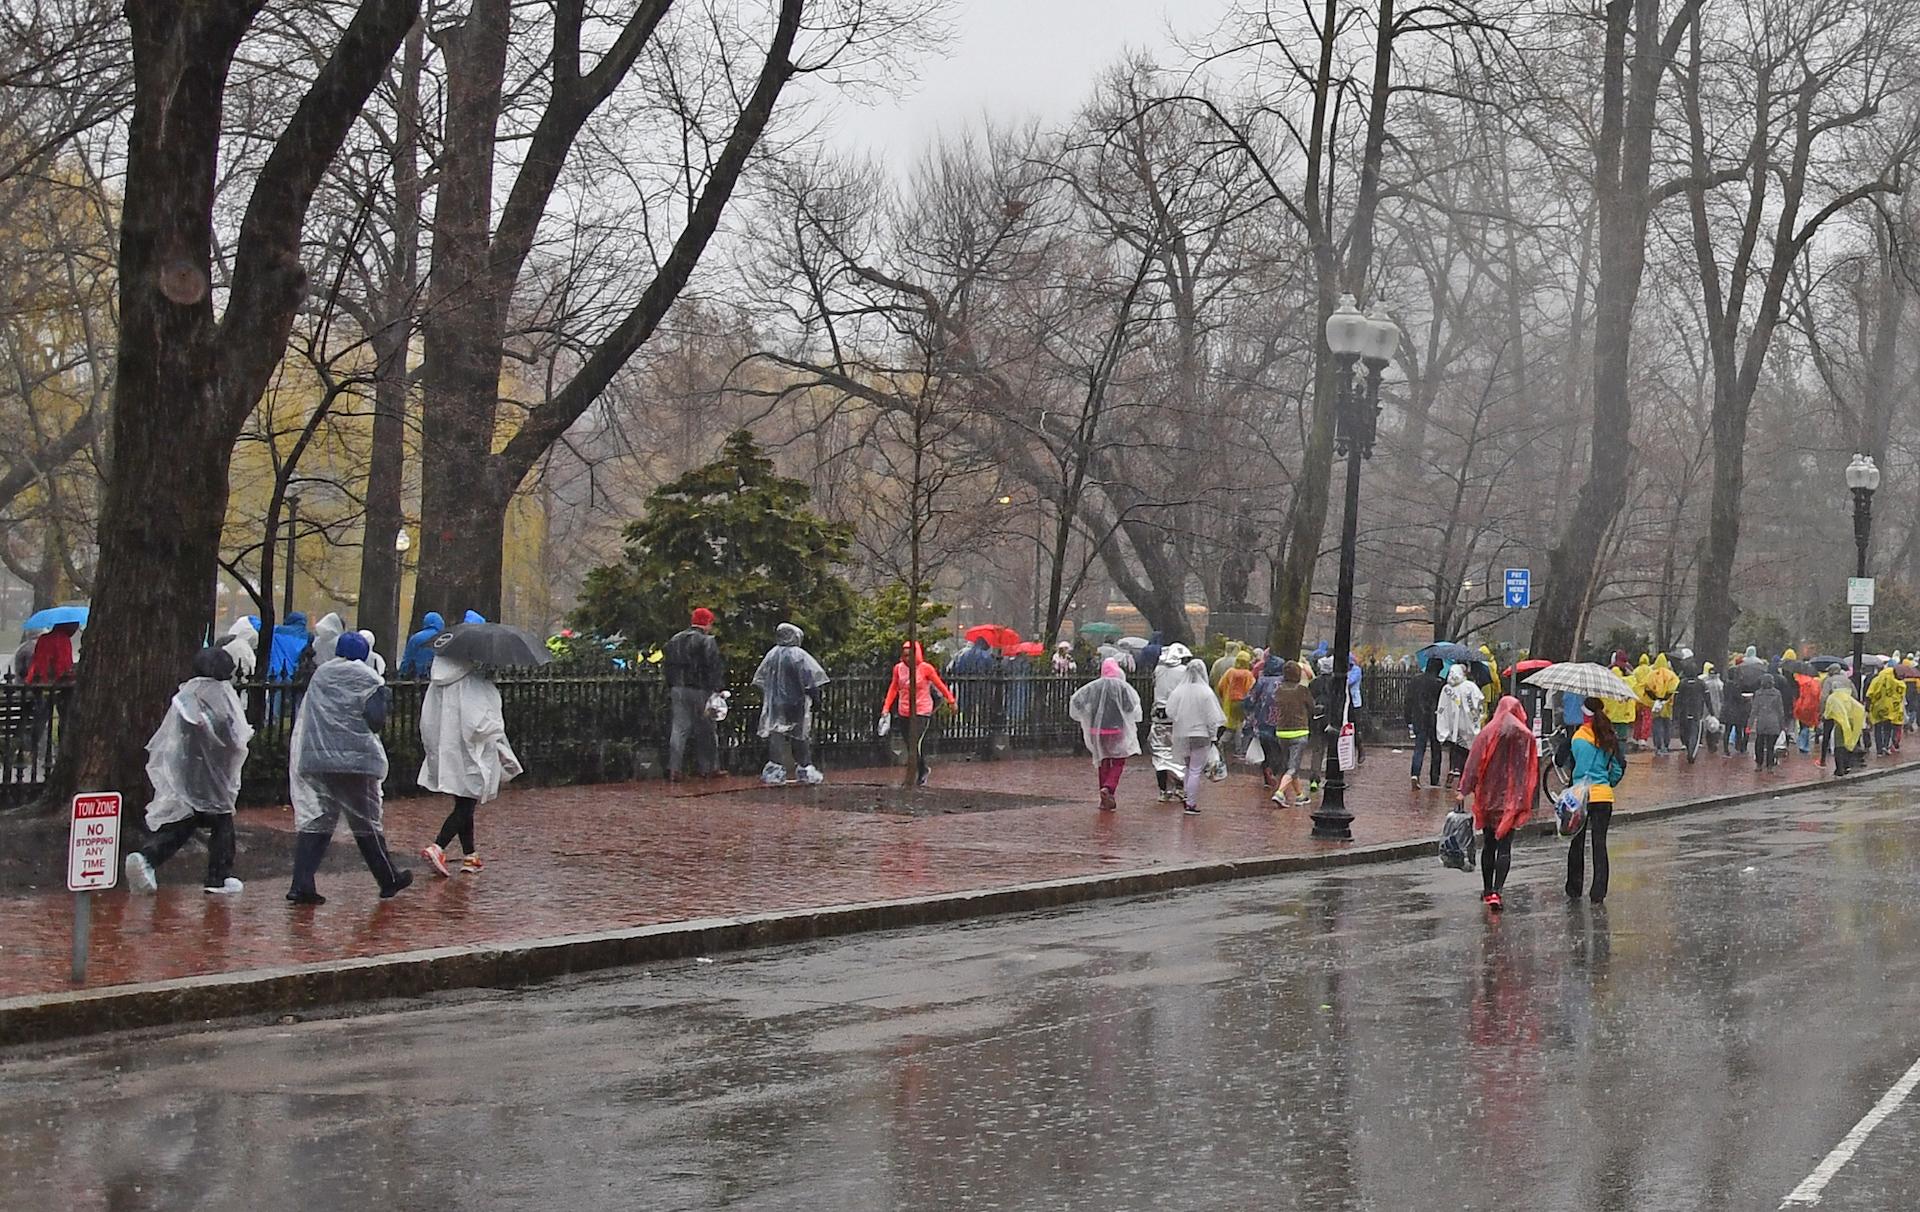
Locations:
(309, 987)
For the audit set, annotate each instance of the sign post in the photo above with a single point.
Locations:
(93, 863)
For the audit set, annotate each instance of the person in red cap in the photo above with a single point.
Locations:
(695, 673)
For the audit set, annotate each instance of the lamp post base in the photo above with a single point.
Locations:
(1331, 821)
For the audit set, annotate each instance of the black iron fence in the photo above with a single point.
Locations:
(603, 727)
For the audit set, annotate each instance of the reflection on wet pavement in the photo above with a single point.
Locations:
(1368, 1039)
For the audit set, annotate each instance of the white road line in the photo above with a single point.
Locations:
(1808, 1192)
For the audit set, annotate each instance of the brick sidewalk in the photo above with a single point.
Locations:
(580, 859)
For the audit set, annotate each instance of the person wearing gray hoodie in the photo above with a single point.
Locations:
(1767, 718)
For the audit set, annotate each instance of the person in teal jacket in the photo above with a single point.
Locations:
(1598, 760)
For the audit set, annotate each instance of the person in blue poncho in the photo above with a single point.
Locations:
(474, 616)
(417, 660)
(290, 640)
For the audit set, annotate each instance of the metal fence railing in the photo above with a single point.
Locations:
(609, 727)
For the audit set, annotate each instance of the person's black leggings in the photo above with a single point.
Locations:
(1599, 816)
(1456, 759)
(1496, 857)
(459, 823)
(168, 839)
(1763, 742)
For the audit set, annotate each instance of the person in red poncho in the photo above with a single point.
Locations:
(926, 679)
(1502, 775)
(53, 656)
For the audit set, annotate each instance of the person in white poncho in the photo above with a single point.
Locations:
(789, 679)
(243, 645)
(1194, 719)
(336, 767)
(1457, 720)
(193, 762)
(464, 734)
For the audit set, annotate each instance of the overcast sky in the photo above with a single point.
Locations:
(1010, 59)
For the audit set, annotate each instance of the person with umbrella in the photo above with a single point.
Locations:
(417, 660)
(193, 761)
(789, 679)
(335, 768)
(1502, 774)
(695, 673)
(1423, 711)
(463, 734)
(52, 665)
(1600, 761)
(1108, 712)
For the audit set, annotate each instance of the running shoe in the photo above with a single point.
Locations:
(471, 865)
(437, 859)
(139, 873)
(1493, 901)
(232, 887)
(1192, 810)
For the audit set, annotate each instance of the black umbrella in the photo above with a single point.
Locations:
(1824, 663)
(490, 644)
(1745, 676)
(1795, 667)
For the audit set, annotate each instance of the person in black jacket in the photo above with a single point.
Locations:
(695, 673)
(1423, 707)
(1689, 709)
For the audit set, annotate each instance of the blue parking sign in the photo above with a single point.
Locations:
(1519, 584)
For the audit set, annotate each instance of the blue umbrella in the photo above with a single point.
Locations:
(53, 616)
(1449, 651)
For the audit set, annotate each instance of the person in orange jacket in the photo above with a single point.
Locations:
(926, 680)
(1806, 710)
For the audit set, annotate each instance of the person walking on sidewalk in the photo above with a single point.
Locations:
(1457, 721)
(1108, 712)
(1600, 761)
(1886, 708)
(789, 679)
(1766, 720)
(908, 702)
(193, 762)
(1502, 774)
(1195, 719)
(336, 767)
(1167, 677)
(1423, 710)
(464, 735)
(695, 673)
(1846, 721)
(1288, 716)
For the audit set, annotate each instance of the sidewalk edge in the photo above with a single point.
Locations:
(184, 1001)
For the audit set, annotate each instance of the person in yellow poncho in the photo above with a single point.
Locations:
(1886, 708)
(1849, 721)
(1643, 710)
(1234, 685)
(1659, 684)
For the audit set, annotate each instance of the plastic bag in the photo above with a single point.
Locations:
(1570, 808)
(717, 706)
(1256, 752)
(1216, 765)
(1349, 748)
(885, 725)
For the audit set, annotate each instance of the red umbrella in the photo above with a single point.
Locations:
(1526, 667)
(1030, 648)
(994, 634)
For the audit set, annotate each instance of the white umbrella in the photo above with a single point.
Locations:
(1582, 678)
(1132, 643)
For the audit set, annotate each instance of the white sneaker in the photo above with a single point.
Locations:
(139, 873)
(811, 776)
(232, 887)
(773, 776)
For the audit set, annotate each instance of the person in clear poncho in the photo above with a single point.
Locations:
(1502, 774)
(242, 644)
(336, 767)
(194, 761)
(1457, 718)
(789, 679)
(1167, 676)
(1194, 719)
(1108, 712)
(463, 733)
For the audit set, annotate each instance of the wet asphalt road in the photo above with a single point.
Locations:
(1370, 1039)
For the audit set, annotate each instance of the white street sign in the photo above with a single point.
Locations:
(1860, 620)
(93, 843)
(1859, 593)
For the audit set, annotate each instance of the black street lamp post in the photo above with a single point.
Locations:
(1354, 339)
(1862, 477)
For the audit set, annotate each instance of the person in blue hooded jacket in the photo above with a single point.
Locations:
(417, 660)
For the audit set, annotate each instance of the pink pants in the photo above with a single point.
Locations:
(1110, 770)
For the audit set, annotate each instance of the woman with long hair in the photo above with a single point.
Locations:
(1502, 774)
(1600, 761)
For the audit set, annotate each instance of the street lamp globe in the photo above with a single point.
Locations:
(1382, 337)
(402, 542)
(1862, 474)
(1347, 329)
